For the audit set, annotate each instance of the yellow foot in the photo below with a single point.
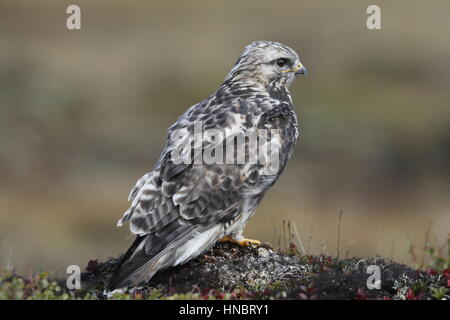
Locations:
(242, 242)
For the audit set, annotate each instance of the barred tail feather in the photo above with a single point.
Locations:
(147, 255)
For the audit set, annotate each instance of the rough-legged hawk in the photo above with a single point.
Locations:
(220, 158)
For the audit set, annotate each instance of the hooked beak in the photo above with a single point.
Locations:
(301, 70)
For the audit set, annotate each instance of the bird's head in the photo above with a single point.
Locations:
(267, 62)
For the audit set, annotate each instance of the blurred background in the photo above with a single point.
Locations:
(83, 115)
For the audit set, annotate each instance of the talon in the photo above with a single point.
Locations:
(248, 242)
(242, 242)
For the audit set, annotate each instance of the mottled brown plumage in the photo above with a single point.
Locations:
(179, 210)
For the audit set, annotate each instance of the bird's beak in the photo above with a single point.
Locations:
(301, 70)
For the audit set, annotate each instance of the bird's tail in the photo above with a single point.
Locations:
(147, 255)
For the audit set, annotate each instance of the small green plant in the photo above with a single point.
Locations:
(436, 258)
(439, 293)
(35, 287)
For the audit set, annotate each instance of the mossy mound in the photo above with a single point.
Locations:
(231, 272)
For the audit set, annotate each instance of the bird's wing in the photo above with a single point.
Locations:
(195, 192)
(199, 194)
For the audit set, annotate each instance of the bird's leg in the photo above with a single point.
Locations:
(244, 242)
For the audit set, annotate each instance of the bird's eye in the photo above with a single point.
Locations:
(281, 62)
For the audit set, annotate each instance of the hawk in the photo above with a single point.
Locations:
(181, 209)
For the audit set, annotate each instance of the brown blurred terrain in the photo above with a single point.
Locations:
(83, 114)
